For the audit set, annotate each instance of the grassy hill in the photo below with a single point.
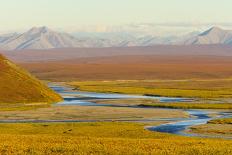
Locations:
(18, 86)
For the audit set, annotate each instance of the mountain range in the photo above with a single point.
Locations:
(45, 38)
(214, 35)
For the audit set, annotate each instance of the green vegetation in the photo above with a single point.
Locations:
(221, 88)
(101, 138)
(18, 86)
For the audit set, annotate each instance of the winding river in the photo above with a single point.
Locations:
(177, 126)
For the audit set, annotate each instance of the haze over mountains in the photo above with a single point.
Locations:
(45, 38)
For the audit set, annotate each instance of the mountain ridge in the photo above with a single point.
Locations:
(214, 35)
(45, 38)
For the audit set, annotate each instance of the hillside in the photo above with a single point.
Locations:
(18, 86)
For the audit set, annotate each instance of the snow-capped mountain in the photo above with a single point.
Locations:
(45, 38)
(214, 35)
(5, 37)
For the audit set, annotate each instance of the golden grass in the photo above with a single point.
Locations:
(22, 106)
(172, 88)
(156, 104)
(224, 130)
(101, 138)
(18, 86)
(220, 127)
(221, 121)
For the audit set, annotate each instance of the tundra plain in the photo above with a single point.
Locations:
(206, 78)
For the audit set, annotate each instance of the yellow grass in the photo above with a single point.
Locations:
(173, 88)
(155, 104)
(101, 138)
(22, 106)
(221, 127)
(213, 129)
(18, 86)
(221, 121)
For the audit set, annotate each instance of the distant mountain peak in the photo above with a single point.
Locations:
(45, 38)
(214, 35)
(39, 38)
(214, 29)
(42, 29)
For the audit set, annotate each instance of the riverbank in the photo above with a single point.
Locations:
(186, 88)
(167, 103)
(216, 127)
(79, 106)
(115, 101)
(79, 124)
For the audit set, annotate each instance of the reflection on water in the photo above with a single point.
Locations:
(80, 98)
(200, 117)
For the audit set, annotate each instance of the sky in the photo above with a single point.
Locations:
(71, 14)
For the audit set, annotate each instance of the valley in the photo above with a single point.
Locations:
(171, 93)
(116, 77)
(80, 123)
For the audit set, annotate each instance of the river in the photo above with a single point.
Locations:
(177, 126)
